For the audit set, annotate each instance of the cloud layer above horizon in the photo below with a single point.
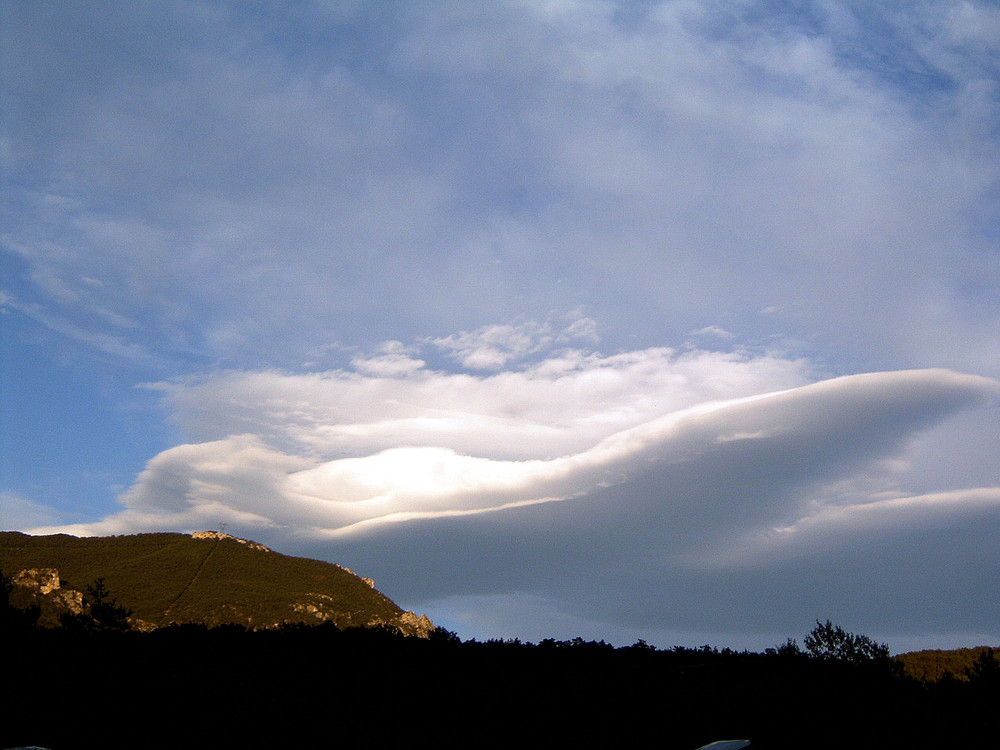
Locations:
(542, 313)
(684, 473)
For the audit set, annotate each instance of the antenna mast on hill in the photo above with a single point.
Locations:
(222, 528)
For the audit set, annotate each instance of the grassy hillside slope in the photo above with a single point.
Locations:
(214, 580)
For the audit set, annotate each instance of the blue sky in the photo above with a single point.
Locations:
(672, 320)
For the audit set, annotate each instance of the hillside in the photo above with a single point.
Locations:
(935, 665)
(206, 577)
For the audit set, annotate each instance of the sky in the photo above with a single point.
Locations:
(669, 320)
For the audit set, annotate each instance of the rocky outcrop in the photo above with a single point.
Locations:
(420, 625)
(218, 535)
(44, 587)
(324, 608)
(40, 580)
(319, 606)
(369, 581)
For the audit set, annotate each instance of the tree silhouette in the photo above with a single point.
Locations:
(101, 611)
(833, 643)
(985, 670)
(14, 618)
(104, 608)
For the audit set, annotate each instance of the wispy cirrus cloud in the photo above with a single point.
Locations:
(492, 347)
(670, 167)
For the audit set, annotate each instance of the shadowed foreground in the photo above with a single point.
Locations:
(189, 686)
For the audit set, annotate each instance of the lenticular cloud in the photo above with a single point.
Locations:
(715, 470)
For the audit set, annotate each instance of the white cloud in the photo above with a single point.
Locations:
(582, 329)
(393, 360)
(561, 404)
(496, 346)
(492, 347)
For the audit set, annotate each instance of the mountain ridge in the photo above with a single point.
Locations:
(207, 577)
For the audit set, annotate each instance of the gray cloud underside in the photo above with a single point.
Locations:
(724, 514)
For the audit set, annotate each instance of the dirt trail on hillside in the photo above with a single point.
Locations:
(194, 578)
